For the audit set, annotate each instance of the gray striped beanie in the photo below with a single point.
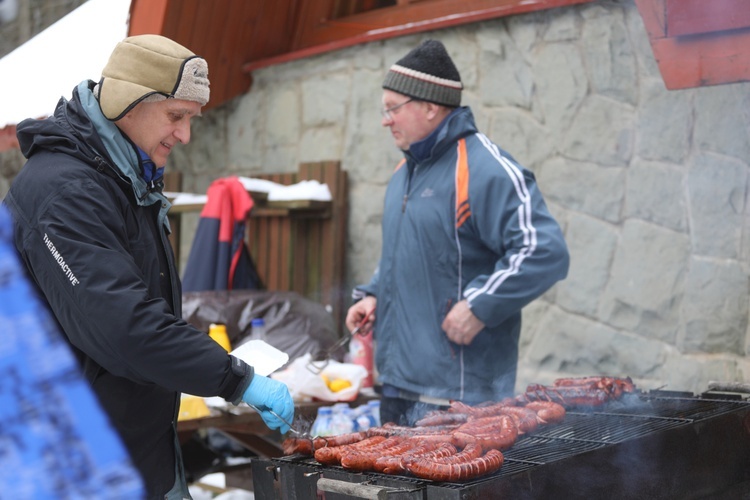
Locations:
(426, 73)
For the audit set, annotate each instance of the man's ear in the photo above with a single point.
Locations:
(433, 110)
(436, 112)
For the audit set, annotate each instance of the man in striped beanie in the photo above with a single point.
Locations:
(426, 73)
(427, 77)
(467, 242)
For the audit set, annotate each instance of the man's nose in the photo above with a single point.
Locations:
(182, 133)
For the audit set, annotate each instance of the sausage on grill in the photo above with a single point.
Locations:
(565, 395)
(331, 455)
(499, 433)
(396, 464)
(477, 467)
(308, 446)
(547, 412)
(364, 459)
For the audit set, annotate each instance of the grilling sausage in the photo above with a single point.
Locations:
(364, 459)
(624, 384)
(499, 433)
(307, 446)
(447, 472)
(331, 455)
(525, 418)
(487, 424)
(547, 412)
(390, 429)
(290, 446)
(434, 438)
(440, 417)
(396, 464)
(565, 395)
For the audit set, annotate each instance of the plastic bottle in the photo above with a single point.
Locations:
(362, 420)
(218, 332)
(341, 422)
(258, 329)
(374, 405)
(323, 422)
(339, 407)
(364, 417)
(360, 352)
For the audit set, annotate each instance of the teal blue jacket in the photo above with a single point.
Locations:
(465, 221)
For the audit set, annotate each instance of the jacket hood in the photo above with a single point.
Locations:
(80, 129)
(69, 130)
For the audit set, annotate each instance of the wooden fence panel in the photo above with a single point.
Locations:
(329, 238)
(303, 250)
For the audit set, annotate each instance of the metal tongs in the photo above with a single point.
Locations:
(292, 429)
(320, 360)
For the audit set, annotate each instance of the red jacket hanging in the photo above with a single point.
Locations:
(219, 259)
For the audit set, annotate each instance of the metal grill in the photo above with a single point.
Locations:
(655, 445)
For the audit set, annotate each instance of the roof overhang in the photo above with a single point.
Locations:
(698, 43)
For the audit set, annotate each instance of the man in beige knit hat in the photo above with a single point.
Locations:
(90, 223)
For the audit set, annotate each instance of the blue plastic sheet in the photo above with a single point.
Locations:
(55, 440)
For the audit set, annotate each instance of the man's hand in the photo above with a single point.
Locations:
(358, 311)
(460, 325)
(267, 394)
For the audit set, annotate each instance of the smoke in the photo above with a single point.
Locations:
(417, 411)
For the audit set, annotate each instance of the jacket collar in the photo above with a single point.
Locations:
(443, 134)
(123, 152)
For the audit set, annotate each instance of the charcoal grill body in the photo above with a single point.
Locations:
(654, 446)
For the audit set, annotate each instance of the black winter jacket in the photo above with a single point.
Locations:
(93, 236)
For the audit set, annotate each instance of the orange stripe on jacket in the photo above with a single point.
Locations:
(463, 210)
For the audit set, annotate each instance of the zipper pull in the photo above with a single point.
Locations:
(403, 205)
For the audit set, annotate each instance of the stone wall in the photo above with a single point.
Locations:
(27, 18)
(649, 185)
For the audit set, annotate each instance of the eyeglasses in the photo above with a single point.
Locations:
(387, 112)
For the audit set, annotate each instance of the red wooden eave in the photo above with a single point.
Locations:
(414, 18)
(692, 17)
(698, 43)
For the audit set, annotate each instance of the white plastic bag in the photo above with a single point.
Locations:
(263, 357)
(305, 385)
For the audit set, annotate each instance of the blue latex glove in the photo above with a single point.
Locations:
(267, 394)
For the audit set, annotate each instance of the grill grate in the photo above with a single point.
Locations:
(684, 407)
(607, 428)
(665, 434)
(538, 450)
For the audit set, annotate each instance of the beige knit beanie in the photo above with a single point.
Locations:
(153, 68)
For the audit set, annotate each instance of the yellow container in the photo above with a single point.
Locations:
(192, 407)
(218, 332)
